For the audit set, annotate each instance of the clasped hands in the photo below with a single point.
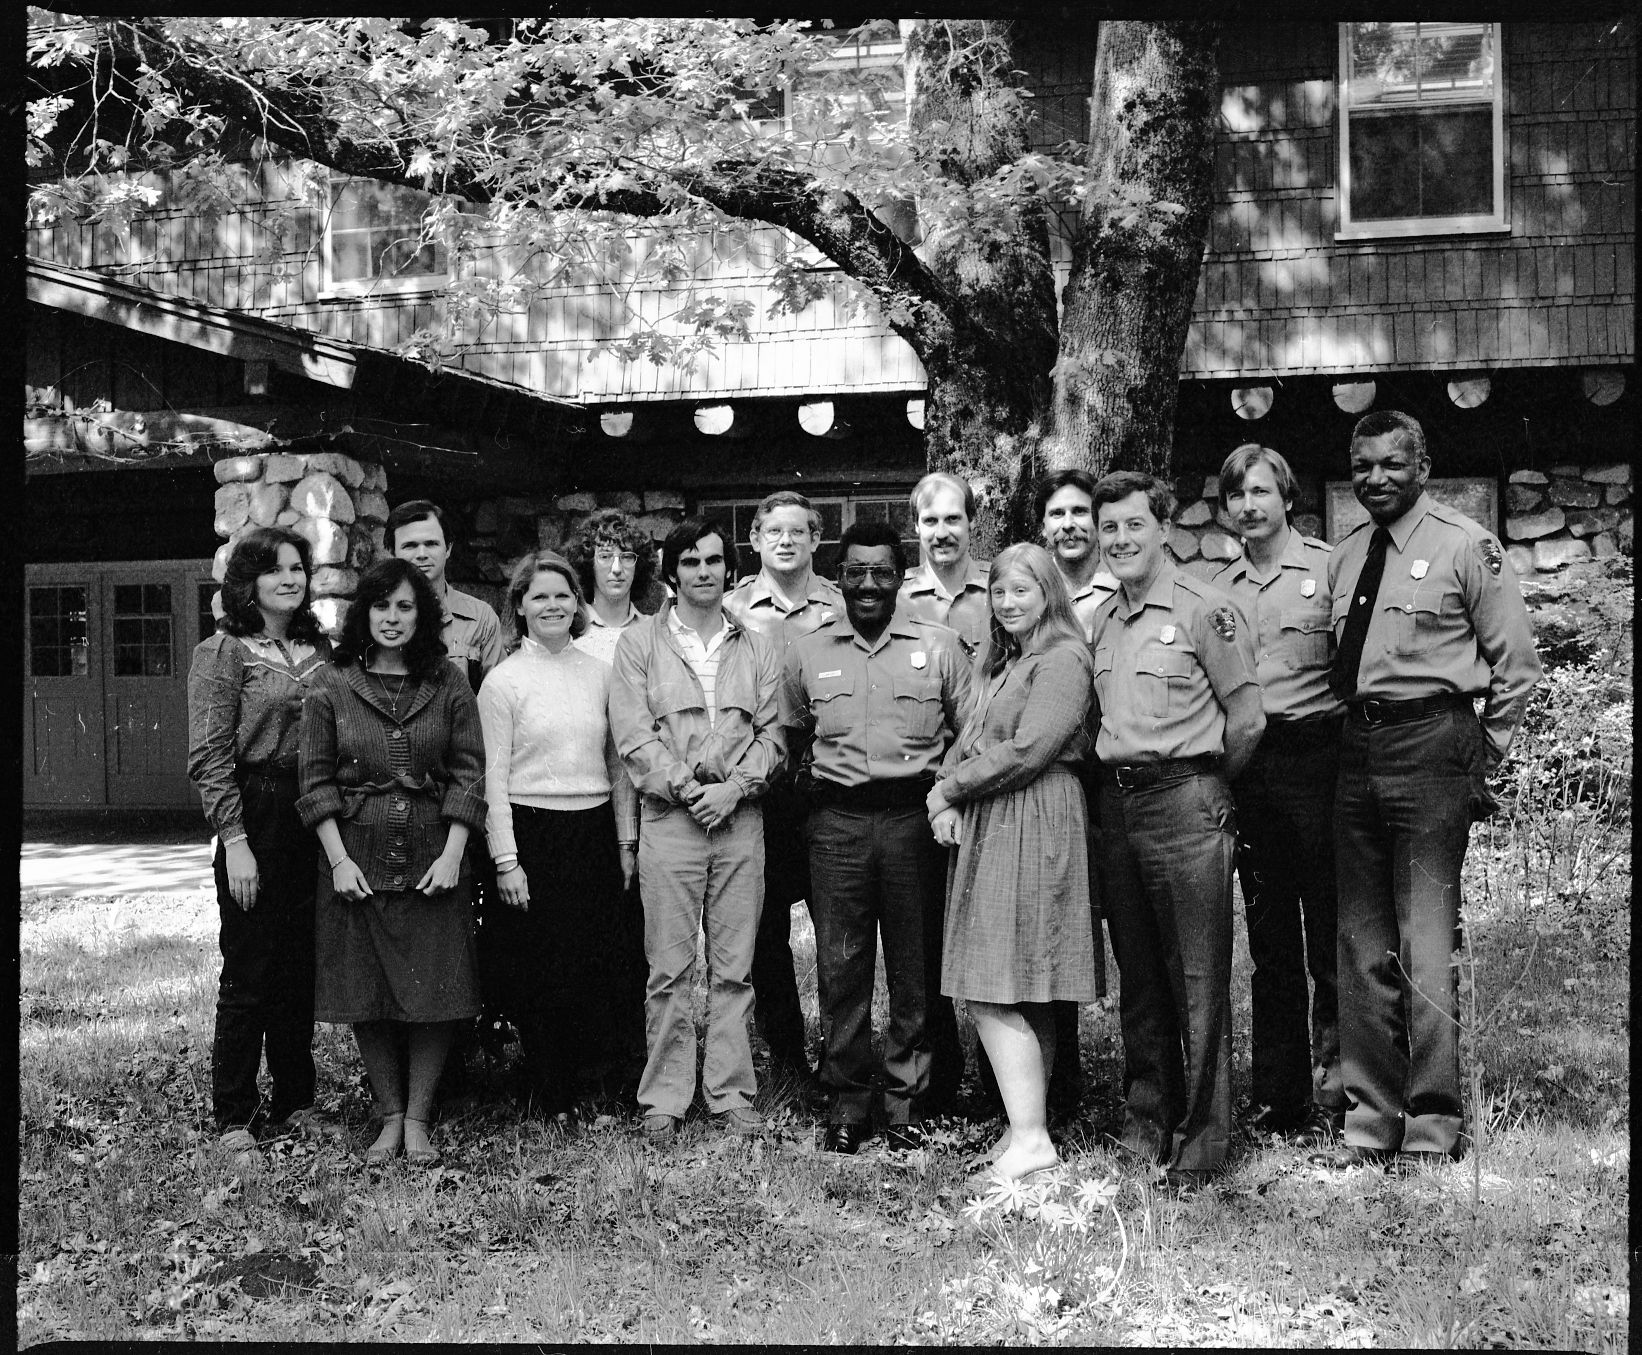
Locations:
(350, 883)
(945, 821)
(712, 804)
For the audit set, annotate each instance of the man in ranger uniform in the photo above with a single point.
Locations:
(1428, 617)
(882, 695)
(1065, 511)
(1179, 714)
(1285, 802)
(950, 585)
(784, 600)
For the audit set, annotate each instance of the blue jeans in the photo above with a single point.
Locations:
(1285, 861)
(1402, 811)
(692, 880)
(1166, 875)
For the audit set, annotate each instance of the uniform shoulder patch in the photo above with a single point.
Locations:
(1224, 621)
(1488, 549)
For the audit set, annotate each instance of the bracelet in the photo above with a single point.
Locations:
(341, 862)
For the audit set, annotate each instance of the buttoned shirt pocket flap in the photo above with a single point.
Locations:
(1338, 609)
(1416, 615)
(1165, 663)
(831, 703)
(1306, 635)
(918, 704)
(1103, 660)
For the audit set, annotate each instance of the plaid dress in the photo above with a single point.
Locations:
(1018, 923)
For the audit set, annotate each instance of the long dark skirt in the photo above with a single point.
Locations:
(558, 965)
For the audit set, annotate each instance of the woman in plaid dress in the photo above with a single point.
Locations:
(1018, 929)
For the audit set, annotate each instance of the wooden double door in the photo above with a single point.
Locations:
(105, 664)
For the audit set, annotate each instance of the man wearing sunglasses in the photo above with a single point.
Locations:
(881, 696)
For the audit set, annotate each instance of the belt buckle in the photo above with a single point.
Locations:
(1121, 775)
(1373, 714)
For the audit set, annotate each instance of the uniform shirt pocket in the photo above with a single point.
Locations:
(830, 703)
(1417, 617)
(1163, 678)
(1306, 637)
(918, 704)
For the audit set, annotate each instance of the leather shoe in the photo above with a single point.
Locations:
(1344, 1156)
(846, 1137)
(1411, 1161)
(904, 1138)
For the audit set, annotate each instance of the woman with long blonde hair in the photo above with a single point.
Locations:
(1019, 934)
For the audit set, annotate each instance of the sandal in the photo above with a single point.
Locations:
(420, 1157)
(388, 1142)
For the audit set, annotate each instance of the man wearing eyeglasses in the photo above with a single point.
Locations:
(878, 696)
(784, 600)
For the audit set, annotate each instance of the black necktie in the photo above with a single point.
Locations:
(1348, 658)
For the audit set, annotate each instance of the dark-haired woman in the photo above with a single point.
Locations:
(393, 782)
(245, 690)
(563, 830)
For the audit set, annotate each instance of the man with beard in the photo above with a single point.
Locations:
(1285, 803)
(882, 696)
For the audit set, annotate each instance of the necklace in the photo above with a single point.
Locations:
(391, 698)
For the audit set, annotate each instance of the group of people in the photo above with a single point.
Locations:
(967, 763)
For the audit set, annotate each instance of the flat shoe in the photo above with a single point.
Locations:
(380, 1154)
(421, 1157)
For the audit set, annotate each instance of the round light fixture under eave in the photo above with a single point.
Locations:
(1603, 386)
(1251, 402)
(1354, 396)
(1471, 392)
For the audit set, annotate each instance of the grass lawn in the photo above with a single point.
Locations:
(134, 1224)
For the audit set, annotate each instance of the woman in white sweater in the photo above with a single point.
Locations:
(562, 828)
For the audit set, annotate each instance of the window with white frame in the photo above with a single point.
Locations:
(860, 87)
(837, 512)
(373, 240)
(1422, 129)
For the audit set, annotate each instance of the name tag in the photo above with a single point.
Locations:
(1308, 588)
(836, 672)
(919, 658)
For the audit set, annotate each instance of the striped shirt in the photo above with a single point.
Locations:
(702, 657)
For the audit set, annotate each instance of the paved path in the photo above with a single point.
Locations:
(165, 863)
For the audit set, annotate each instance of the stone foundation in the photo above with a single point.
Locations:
(1567, 515)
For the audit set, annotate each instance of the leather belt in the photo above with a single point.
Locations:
(872, 795)
(1139, 775)
(1374, 713)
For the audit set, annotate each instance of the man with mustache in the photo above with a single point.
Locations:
(1285, 803)
(1429, 617)
(950, 585)
(1064, 508)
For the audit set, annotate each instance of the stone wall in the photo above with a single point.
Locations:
(1567, 515)
(337, 504)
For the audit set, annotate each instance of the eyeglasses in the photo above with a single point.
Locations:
(861, 573)
(608, 557)
(775, 534)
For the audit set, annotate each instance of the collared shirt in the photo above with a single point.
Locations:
(599, 639)
(1288, 611)
(472, 635)
(880, 712)
(1449, 617)
(759, 605)
(1086, 600)
(701, 656)
(968, 611)
(1164, 670)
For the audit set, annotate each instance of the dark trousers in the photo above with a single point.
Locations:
(879, 873)
(1166, 872)
(776, 1010)
(265, 997)
(558, 975)
(1403, 808)
(1285, 861)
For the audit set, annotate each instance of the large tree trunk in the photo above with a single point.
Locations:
(988, 390)
(1128, 302)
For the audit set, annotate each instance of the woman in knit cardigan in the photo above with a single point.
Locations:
(392, 778)
(560, 801)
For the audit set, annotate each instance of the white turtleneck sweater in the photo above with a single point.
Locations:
(547, 741)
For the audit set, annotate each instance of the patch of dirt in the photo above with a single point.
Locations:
(266, 1274)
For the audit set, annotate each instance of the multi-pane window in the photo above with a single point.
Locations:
(859, 88)
(142, 630)
(59, 637)
(373, 238)
(836, 514)
(1422, 133)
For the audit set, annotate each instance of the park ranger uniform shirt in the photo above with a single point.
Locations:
(881, 712)
(968, 611)
(1449, 617)
(1165, 668)
(759, 605)
(1086, 600)
(1288, 615)
(472, 635)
